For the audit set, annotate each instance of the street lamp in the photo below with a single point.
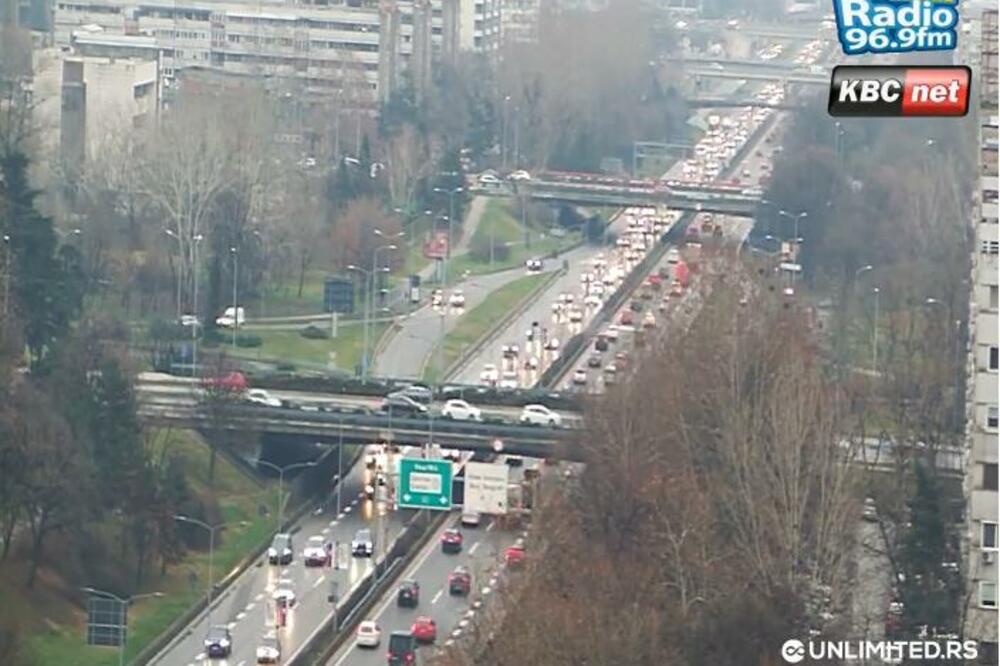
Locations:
(212, 529)
(863, 269)
(177, 238)
(795, 219)
(451, 218)
(376, 270)
(281, 479)
(365, 321)
(6, 273)
(124, 601)
(876, 292)
(236, 276)
(194, 306)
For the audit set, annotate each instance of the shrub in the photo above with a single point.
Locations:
(248, 340)
(314, 333)
(479, 250)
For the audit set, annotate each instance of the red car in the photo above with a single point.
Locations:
(232, 381)
(677, 289)
(451, 541)
(514, 556)
(626, 319)
(424, 629)
(655, 281)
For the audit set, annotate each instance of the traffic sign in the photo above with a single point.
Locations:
(424, 484)
(485, 488)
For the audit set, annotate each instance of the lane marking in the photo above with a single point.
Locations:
(326, 530)
(333, 523)
(259, 597)
(200, 657)
(240, 616)
(231, 625)
(250, 606)
(490, 526)
(319, 581)
(347, 509)
(437, 596)
(242, 663)
(472, 550)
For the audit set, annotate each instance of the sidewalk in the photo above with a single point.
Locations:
(473, 217)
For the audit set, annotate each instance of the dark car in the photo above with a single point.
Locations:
(636, 305)
(460, 582)
(601, 344)
(218, 642)
(419, 392)
(402, 648)
(594, 361)
(280, 551)
(399, 403)
(408, 595)
(451, 541)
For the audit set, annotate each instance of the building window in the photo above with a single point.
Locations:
(987, 594)
(989, 476)
(994, 296)
(989, 535)
(992, 417)
(994, 361)
(989, 247)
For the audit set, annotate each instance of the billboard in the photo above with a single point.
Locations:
(485, 487)
(338, 294)
(436, 247)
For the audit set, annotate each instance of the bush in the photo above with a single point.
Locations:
(314, 333)
(286, 367)
(479, 250)
(213, 337)
(248, 340)
(161, 330)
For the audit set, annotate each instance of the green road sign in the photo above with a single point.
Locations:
(424, 484)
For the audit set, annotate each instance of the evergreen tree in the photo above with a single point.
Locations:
(46, 288)
(931, 585)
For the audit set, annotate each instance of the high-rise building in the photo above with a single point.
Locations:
(982, 542)
(519, 21)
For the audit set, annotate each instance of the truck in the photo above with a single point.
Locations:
(682, 273)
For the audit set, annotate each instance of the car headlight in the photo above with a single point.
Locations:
(272, 552)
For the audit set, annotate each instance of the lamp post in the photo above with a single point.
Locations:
(367, 315)
(194, 306)
(503, 133)
(281, 480)
(236, 280)
(6, 273)
(451, 218)
(795, 219)
(876, 292)
(177, 238)
(212, 529)
(376, 269)
(124, 601)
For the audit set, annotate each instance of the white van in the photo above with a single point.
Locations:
(231, 317)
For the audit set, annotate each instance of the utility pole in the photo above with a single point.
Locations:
(236, 275)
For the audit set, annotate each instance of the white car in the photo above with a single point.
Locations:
(490, 374)
(262, 397)
(575, 316)
(369, 634)
(673, 255)
(519, 175)
(471, 519)
(362, 544)
(591, 301)
(580, 377)
(611, 333)
(488, 179)
(284, 592)
(453, 455)
(539, 415)
(551, 344)
(269, 649)
(460, 410)
(457, 299)
(508, 380)
(437, 298)
(314, 553)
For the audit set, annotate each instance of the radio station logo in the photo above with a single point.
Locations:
(899, 91)
(888, 26)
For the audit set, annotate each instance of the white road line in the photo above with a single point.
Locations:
(200, 657)
(259, 597)
(333, 523)
(437, 596)
(354, 502)
(326, 530)
(490, 526)
(319, 581)
(242, 663)
(231, 625)
(250, 606)
(240, 616)
(347, 509)
(472, 551)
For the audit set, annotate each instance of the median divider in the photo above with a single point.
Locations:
(339, 627)
(491, 335)
(176, 629)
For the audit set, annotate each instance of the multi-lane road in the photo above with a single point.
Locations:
(482, 554)
(246, 606)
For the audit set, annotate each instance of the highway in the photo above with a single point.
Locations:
(482, 554)
(409, 350)
(246, 605)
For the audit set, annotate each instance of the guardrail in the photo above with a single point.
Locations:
(340, 624)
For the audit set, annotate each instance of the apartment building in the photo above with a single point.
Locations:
(328, 47)
(519, 21)
(982, 499)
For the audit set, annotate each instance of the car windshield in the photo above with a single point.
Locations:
(281, 541)
(269, 642)
(218, 634)
(401, 643)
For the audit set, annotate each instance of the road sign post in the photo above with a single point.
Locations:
(486, 488)
(424, 484)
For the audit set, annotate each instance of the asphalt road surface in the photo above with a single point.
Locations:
(246, 605)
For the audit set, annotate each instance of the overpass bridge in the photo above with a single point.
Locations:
(805, 31)
(608, 190)
(754, 73)
(725, 63)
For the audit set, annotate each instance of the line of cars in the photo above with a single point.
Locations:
(415, 400)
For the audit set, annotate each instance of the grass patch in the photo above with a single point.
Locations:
(291, 347)
(58, 637)
(474, 324)
(501, 227)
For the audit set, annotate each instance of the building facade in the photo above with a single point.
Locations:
(982, 540)
(353, 44)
